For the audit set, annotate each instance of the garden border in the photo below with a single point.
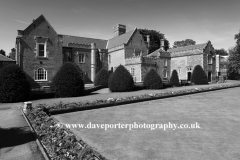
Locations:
(39, 143)
(115, 103)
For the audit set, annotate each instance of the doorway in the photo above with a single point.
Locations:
(189, 74)
(209, 76)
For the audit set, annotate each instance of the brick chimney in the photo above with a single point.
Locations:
(119, 29)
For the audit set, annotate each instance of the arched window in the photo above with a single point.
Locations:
(40, 74)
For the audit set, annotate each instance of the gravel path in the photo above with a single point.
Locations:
(16, 139)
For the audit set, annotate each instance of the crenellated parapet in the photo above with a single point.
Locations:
(133, 60)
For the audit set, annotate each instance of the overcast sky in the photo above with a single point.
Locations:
(200, 20)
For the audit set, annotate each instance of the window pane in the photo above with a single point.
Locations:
(41, 47)
(41, 53)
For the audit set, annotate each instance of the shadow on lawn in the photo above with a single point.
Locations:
(10, 137)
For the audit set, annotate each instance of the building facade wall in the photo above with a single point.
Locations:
(185, 64)
(28, 56)
(136, 46)
(115, 58)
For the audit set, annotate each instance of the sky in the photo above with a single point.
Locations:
(200, 20)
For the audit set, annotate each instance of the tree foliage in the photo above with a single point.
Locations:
(152, 80)
(2, 52)
(199, 76)
(14, 86)
(234, 60)
(102, 78)
(186, 42)
(174, 80)
(221, 52)
(121, 80)
(68, 81)
(155, 37)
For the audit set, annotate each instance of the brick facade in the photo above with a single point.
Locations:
(27, 46)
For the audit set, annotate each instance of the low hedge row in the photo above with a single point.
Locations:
(59, 142)
(113, 101)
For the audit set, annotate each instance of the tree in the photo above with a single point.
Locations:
(14, 86)
(186, 42)
(68, 81)
(101, 78)
(174, 80)
(2, 52)
(121, 80)
(221, 52)
(234, 60)
(155, 37)
(152, 80)
(199, 76)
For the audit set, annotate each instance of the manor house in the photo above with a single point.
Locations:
(40, 51)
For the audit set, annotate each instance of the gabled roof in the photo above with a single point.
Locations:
(188, 50)
(191, 47)
(119, 40)
(159, 52)
(39, 18)
(100, 43)
(5, 59)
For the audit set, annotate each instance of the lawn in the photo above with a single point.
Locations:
(218, 114)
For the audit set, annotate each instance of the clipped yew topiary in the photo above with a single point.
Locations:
(121, 80)
(152, 80)
(68, 81)
(14, 86)
(101, 78)
(174, 80)
(199, 76)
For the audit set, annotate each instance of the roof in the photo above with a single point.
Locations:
(100, 43)
(191, 47)
(40, 18)
(119, 40)
(159, 52)
(188, 50)
(5, 59)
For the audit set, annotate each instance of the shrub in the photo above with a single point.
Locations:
(174, 80)
(121, 80)
(199, 76)
(14, 86)
(152, 80)
(68, 81)
(101, 78)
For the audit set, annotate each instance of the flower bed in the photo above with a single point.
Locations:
(59, 108)
(59, 142)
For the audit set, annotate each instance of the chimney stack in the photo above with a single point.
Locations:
(119, 29)
(162, 44)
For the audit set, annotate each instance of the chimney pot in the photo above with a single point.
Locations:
(119, 29)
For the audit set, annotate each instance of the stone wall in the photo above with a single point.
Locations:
(136, 44)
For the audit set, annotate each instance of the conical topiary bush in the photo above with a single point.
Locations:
(199, 76)
(121, 80)
(101, 78)
(174, 80)
(152, 80)
(68, 81)
(14, 86)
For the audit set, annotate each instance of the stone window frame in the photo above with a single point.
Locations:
(81, 57)
(210, 59)
(179, 70)
(165, 62)
(41, 41)
(40, 72)
(165, 75)
(132, 71)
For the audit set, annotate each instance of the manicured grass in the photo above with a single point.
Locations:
(218, 114)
